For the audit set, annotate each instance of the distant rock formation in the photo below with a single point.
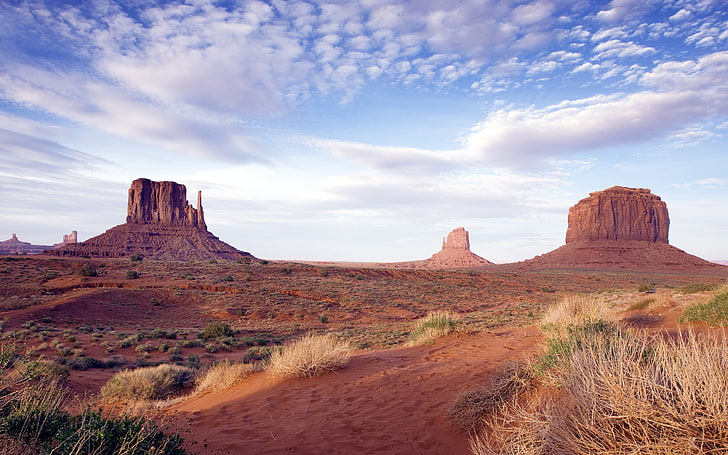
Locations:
(15, 246)
(455, 252)
(619, 228)
(160, 225)
(619, 213)
(68, 239)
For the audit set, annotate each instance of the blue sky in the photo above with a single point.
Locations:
(365, 130)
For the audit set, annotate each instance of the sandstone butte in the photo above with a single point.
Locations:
(455, 252)
(160, 225)
(619, 228)
(14, 246)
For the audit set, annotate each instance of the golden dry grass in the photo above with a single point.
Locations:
(433, 326)
(625, 394)
(224, 375)
(574, 311)
(153, 383)
(309, 356)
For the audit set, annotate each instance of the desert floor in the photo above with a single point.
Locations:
(389, 399)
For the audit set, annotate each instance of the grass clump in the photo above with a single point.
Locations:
(153, 383)
(435, 325)
(509, 383)
(309, 356)
(713, 312)
(223, 375)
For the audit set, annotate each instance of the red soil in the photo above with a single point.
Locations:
(391, 401)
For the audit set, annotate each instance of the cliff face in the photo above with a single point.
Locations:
(163, 203)
(619, 213)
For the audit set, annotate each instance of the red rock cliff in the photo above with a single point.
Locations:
(619, 213)
(163, 203)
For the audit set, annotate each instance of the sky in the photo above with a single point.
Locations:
(365, 130)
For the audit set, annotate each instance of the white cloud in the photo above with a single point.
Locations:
(619, 49)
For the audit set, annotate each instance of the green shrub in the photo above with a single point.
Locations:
(228, 278)
(87, 270)
(433, 326)
(259, 353)
(136, 258)
(216, 330)
(714, 312)
(132, 275)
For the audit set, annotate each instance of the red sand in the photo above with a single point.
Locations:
(392, 401)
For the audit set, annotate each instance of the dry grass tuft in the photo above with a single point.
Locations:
(224, 375)
(310, 356)
(510, 381)
(154, 383)
(573, 311)
(433, 326)
(626, 394)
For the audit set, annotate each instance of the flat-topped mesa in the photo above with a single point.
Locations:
(163, 203)
(619, 213)
(458, 239)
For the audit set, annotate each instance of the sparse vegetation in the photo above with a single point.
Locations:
(154, 383)
(224, 375)
(87, 270)
(215, 330)
(132, 274)
(713, 312)
(309, 356)
(433, 326)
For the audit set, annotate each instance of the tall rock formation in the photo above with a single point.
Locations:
(161, 225)
(163, 203)
(619, 228)
(456, 252)
(619, 213)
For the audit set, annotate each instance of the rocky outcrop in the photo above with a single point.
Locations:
(619, 229)
(160, 225)
(455, 252)
(619, 213)
(68, 239)
(14, 246)
(163, 203)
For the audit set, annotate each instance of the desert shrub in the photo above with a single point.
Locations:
(132, 274)
(136, 258)
(645, 287)
(640, 304)
(216, 330)
(626, 394)
(434, 325)
(228, 278)
(509, 382)
(573, 311)
(85, 363)
(223, 375)
(259, 353)
(154, 383)
(692, 288)
(87, 270)
(309, 356)
(324, 319)
(713, 312)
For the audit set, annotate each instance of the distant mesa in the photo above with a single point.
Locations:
(160, 225)
(14, 246)
(68, 239)
(455, 252)
(619, 228)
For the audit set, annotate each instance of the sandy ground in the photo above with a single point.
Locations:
(391, 401)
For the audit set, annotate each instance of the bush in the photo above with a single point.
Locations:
(714, 312)
(132, 275)
(310, 356)
(87, 270)
(259, 353)
(509, 382)
(216, 330)
(223, 375)
(228, 278)
(573, 311)
(433, 326)
(154, 383)
(136, 258)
